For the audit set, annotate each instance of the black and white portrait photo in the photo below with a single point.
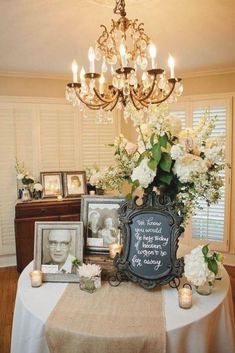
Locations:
(101, 221)
(74, 183)
(58, 244)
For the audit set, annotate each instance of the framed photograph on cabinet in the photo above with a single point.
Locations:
(52, 184)
(74, 184)
(101, 221)
(56, 246)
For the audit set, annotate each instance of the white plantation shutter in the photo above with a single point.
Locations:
(209, 222)
(59, 144)
(180, 114)
(16, 139)
(95, 140)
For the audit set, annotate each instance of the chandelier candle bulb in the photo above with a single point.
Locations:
(171, 63)
(75, 71)
(101, 84)
(122, 51)
(185, 298)
(82, 74)
(36, 278)
(153, 53)
(91, 57)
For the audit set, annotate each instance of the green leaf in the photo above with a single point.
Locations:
(165, 178)
(129, 197)
(163, 140)
(152, 164)
(152, 139)
(166, 162)
(205, 250)
(156, 152)
(213, 266)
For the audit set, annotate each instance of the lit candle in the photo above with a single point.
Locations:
(114, 249)
(75, 71)
(101, 83)
(171, 63)
(153, 53)
(36, 278)
(82, 74)
(122, 51)
(185, 298)
(91, 57)
(92, 192)
(59, 198)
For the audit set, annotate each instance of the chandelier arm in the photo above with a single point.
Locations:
(148, 95)
(105, 100)
(165, 98)
(115, 103)
(103, 105)
(134, 101)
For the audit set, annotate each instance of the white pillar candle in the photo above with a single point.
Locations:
(185, 298)
(59, 198)
(122, 51)
(36, 278)
(92, 192)
(114, 249)
(153, 53)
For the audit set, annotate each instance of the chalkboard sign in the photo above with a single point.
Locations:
(151, 233)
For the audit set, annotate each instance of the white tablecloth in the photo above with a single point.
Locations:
(205, 328)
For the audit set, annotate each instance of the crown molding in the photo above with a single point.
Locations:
(67, 77)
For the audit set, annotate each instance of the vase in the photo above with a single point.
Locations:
(90, 284)
(26, 195)
(205, 289)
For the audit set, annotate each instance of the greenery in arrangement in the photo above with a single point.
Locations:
(24, 176)
(202, 265)
(183, 163)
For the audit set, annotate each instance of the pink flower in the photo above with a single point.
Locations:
(130, 148)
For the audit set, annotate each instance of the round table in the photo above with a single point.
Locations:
(208, 327)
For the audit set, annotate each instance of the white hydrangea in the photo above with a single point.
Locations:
(177, 151)
(196, 269)
(143, 174)
(89, 270)
(185, 167)
(215, 154)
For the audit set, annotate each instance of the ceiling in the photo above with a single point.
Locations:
(44, 36)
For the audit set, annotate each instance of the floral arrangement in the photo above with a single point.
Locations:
(185, 164)
(202, 265)
(89, 270)
(27, 179)
(95, 176)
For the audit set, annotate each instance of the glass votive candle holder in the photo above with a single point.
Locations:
(114, 249)
(185, 298)
(36, 278)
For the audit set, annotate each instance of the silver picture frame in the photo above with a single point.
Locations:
(56, 245)
(101, 222)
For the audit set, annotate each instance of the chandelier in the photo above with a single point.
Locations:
(129, 71)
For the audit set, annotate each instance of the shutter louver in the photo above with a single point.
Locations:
(208, 222)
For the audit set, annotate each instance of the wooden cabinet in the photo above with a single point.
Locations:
(27, 213)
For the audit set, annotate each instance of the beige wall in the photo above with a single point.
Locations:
(200, 85)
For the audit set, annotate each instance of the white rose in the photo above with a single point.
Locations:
(177, 152)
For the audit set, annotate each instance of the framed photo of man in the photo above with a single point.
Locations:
(57, 246)
(101, 221)
(52, 184)
(74, 184)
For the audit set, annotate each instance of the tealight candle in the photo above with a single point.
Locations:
(59, 198)
(114, 249)
(92, 192)
(185, 298)
(36, 278)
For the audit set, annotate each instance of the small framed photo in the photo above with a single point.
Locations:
(56, 246)
(74, 184)
(52, 184)
(101, 221)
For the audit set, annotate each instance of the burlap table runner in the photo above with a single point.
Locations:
(124, 319)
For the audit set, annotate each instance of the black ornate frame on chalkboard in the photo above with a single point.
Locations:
(151, 231)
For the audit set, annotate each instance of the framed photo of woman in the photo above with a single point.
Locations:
(100, 218)
(74, 183)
